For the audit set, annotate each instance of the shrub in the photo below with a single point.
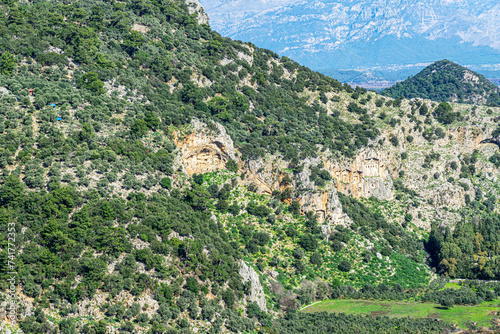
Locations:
(261, 238)
(261, 211)
(386, 251)
(444, 113)
(252, 187)
(192, 285)
(166, 183)
(228, 297)
(234, 209)
(336, 245)
(294, 207)
(316, 258)
(222, 205)
(91, 82)
(345, 266)
(139, 127)
(394, 140)
(308, 242)
(447, 301)
(232, 165)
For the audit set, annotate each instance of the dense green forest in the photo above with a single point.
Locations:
(447, 81)
(93, 95)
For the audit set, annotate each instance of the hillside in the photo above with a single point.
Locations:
(367, 40)
(159, 178)
(447, 81)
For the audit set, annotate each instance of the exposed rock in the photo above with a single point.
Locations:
(140, 28)
(194, 7)
(257, 292)
(265, 174)
(225, 61)
(176, 235)
(364, 176)
(54, 49)
(246, 57)
(139, 244)
(204, 150)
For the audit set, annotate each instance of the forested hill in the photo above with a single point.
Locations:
(447, 81)
(163, 179)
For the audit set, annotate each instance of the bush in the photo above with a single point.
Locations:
(166, 183)
(232, 165)
(294, 207)
(222, 205)
(261, 211)
(336, 245)
(252, 187)
(386, 251)
(228, 297)
(234, 209)
(253, 310)
(345, 266)
(316, 259)
(139, 127)
(444, 114)
(394, 140)
(261, 238)
(447, 302)
(308, 242)
(192, 285)
(91, 82)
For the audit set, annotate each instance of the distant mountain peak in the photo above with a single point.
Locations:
(445, 80)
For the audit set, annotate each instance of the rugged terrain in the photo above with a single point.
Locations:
(162, 178)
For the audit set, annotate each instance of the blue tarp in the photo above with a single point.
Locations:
(59, 118)
(52, 104)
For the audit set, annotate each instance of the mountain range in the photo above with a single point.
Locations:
(367, 40)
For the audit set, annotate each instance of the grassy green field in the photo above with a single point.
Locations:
(460, 315)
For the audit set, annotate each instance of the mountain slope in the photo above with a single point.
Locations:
(366, 35)
(159, 178)
(447, 81)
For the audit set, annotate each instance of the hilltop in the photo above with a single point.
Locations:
(447, 81)
(161, 178)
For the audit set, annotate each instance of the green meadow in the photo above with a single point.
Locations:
(482, 314)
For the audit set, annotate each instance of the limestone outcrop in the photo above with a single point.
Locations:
(204, 149)
(265, 174)
(256, 290)
(194, 6)
(364, 176)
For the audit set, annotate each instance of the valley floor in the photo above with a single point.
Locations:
(482, 314)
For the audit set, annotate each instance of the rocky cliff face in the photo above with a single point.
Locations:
(257, 292)
(364, 176)
(203, 149)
